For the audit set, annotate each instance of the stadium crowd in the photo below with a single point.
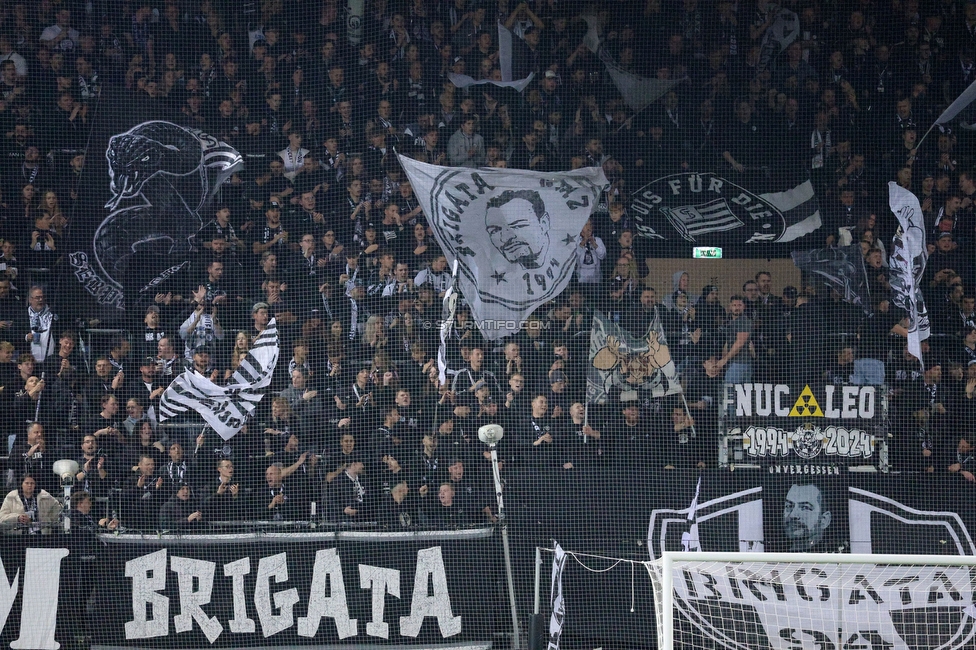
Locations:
(322, 232)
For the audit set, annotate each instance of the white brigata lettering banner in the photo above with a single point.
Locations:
(514, 233)
(813, 605)
(357, 588)
(226, 408)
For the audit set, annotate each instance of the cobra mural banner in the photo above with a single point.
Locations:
(159, 181)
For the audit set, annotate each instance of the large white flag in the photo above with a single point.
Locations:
(226, 408)
(907, 264)
(514, 233)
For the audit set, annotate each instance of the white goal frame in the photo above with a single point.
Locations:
(665, 564)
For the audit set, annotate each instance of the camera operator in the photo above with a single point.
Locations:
(82, 574)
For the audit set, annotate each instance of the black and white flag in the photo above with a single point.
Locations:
(506, 53)
(226, 408)
(784, 30)
(907, 264)
(690, 541)
(514, 234)
(840, 268)
(138, 208)
(558, 606)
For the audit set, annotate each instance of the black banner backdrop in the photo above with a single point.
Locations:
(394, 589)
(199, 592)
(740, 511)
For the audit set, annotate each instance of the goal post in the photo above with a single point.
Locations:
(740, 601)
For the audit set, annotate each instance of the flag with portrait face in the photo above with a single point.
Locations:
(514, 234)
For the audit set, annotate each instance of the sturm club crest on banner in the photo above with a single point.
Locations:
(162, 179)
(703, 208)
(514, 233)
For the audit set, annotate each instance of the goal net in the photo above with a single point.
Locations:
(804, 600)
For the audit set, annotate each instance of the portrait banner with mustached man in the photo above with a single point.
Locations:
(514, 233)
(144, 201)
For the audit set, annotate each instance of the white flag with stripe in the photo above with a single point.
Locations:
(514, 233)
(226, 408)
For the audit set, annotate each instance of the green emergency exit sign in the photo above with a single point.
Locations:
(708, 252)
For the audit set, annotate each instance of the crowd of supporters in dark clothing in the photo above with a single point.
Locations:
(322, 232)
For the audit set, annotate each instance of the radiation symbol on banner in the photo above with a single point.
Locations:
(806, 405)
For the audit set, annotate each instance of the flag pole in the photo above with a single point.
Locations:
(918, 145)
(694, 434)
(958, 105)
(448, 311)
(586, 420)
